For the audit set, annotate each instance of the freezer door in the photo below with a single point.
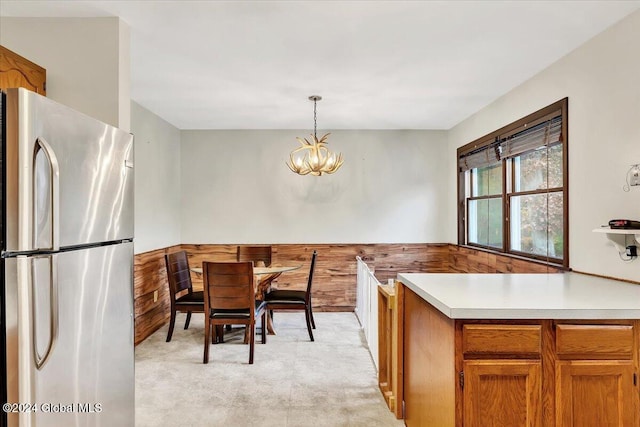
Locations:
(75, 353)
(69, 177)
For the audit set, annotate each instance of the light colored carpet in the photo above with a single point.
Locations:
(292, 383)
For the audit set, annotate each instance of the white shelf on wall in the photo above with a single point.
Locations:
(619, 236)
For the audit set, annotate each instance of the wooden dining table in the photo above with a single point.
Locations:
(264, 277)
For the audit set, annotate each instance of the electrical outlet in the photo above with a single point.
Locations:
(634, 175)
(632, 251)
(155, 296)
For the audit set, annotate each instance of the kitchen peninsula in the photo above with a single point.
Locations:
(519, 350)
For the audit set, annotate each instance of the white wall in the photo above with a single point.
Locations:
(87, 61)
(124, 76)
(157, 186)
(602, 81)
(236, 188)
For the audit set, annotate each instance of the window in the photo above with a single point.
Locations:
(485, 206)
(513, 188)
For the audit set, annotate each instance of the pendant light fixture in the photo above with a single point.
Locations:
(314, 157)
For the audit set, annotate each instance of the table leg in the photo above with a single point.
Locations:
(264, 284)
(270, 328)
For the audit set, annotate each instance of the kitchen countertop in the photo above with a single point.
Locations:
(526, 296)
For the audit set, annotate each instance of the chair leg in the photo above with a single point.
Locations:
(219, 334)
(313, 322)
(186, 323)
(207, 333)
(307, 315)
(263, 329)
(251, 341)
(171, 323)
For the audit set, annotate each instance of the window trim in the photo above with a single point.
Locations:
(557, 108)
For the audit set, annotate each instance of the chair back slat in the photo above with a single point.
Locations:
(255, 254)
(178, 273)
(227, 292)
(228, 285)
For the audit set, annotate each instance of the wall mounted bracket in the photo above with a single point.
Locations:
(618, 236)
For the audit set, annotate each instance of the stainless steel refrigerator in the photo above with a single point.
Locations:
(66, 299)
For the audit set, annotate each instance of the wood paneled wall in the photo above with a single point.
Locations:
(149, 277)
(463, 259)
(334, 284)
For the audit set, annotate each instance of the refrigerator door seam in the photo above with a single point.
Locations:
(14, 254)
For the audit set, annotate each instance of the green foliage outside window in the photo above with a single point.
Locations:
(537, 219)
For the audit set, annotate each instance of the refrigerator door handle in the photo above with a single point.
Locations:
(39, 360)
(53, 188)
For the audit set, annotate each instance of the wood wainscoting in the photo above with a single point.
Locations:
(334, 280)
(463, 259)
(150, 292)
(334, 284)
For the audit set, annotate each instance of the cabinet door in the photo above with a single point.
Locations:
(16, 71)
(500, 393)
(595, 393)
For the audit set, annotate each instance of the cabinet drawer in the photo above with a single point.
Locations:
(594, 341)
(501, 339)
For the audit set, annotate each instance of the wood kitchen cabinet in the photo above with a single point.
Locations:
(16, 71)
(429, 369)
(502, 393)
(501, 375)
(517, 372)
(595, 393)
(596, 375)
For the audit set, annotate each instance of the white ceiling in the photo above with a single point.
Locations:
(377, 64)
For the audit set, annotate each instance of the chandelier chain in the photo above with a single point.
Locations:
(315, 119)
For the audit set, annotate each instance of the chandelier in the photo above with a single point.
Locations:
(314, 157)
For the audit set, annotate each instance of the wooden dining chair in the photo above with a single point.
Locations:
(255, 253)
(286, 299)
(182, 296)
(229, 299)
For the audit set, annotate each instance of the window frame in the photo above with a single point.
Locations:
(488, 197)
(508, 184)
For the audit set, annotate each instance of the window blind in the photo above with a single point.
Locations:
(544, 134)
(480, 158)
